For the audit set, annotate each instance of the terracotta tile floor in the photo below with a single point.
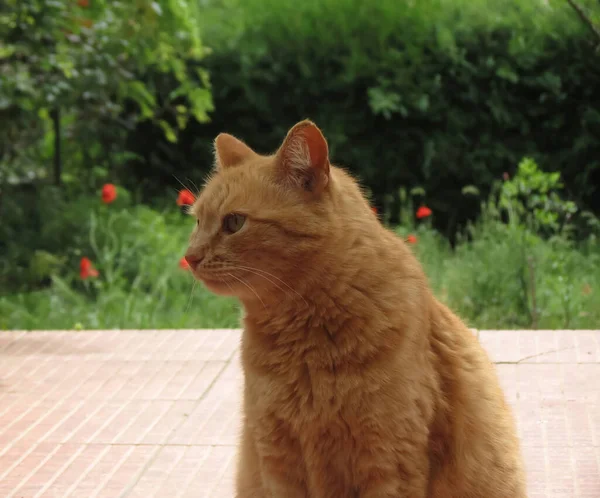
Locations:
(155, 413)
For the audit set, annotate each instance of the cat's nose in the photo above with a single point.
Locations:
(193, 259)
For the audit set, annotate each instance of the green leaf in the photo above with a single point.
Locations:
(417, 191)
(137, 91)
(201, 102)
(470, 190)
(506, 73)
(182, 120)
(168, 131)
(383, 102)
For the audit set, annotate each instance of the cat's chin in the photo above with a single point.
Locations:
(218, 287)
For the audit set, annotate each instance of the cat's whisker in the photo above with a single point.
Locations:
(197, 192)
(180, 182)
(187, 308)
(229, 285)
(263, 276)
(248, 268)
(249, 287)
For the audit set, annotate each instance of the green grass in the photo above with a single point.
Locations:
(490, 280)
(137, 252)
(60, 308)
(487, 280)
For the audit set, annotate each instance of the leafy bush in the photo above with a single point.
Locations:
(436, 94)
(428, 102)
(77, 75)
(140, 282)
(518, 265)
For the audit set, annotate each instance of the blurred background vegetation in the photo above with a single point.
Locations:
(486, 112)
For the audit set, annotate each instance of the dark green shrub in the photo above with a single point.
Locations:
(437, 94)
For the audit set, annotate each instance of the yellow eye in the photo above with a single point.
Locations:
(233, 222)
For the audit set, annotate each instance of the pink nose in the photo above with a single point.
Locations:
(193, 260)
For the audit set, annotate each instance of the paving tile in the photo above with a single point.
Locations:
(216, 414)
(127, 472)
(157, 472)
(155, 413)
(542, 346)
(214, 474)
(60, 481)
(95, 477)
(186, 472)
(27, 464)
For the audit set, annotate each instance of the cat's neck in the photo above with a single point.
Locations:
(364, 286)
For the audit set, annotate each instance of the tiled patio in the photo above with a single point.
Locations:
(156, 413)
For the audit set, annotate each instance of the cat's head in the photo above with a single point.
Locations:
(265, 223)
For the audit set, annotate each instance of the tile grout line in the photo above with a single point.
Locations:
(60, 471)
(79, 405)
(15, 336)
(87, 470)
(145, 404)
(35, 469)
(214, 408)
(100, 406)
(166, 475)
(192, 477)
(219, 481)
(569, 434)
(112, 471)
(23, 394)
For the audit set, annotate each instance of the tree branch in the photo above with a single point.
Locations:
(585, 18)
(55, 115)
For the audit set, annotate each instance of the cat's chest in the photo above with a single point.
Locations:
(303, 390)
(308, 412)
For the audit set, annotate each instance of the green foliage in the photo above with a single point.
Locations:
(427, 102)
(533, 197)
(83, 64)
(437, 93)
(140, 285)
(487, 280)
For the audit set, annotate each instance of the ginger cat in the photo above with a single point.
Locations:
(358, 382)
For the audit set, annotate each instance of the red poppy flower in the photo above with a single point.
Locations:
(86, 269)
(109, 193)
(183, 264)
(83, 3)
(374, 209)
(423, 212)
(411, 239)
(185, 198)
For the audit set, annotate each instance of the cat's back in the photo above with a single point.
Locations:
(473, 432)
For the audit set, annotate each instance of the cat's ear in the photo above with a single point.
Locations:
(229, 151)
(303, 158)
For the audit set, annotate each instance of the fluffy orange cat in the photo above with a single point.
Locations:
(358, 382)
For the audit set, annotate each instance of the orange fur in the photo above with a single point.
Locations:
(358, 382)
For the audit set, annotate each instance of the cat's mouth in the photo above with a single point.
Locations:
(210, 279)
(216, 284)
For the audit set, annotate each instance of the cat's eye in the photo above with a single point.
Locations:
(233, 222)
